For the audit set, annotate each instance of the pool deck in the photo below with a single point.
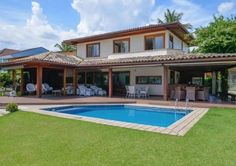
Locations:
(50, 100)
(179, 128)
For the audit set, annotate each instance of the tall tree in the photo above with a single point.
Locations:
(65, 47)
(218, 37)
(173, 16)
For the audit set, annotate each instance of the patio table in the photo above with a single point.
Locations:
(56, 92)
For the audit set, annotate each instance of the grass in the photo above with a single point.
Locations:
(33, 139)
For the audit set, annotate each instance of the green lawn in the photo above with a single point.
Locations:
(33, 139)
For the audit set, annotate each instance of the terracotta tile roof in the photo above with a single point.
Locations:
(175, 27)
(50, 57)
(62, 59)
(157, 59)
(7, 51)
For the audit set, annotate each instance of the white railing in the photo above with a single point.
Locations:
(145, 53)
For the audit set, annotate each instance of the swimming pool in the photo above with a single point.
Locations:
(145, 115)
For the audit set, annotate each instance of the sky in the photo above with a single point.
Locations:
(33, 23)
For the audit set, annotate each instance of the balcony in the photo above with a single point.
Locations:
(146, 53)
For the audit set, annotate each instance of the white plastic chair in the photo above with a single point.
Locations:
(30, 88)
(132, 92)
(144, 92)
(127, 91)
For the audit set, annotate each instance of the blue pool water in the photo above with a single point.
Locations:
(161, 117)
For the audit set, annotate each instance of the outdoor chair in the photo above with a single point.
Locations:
(191, 93)
(98, 91)
(46, 88)
(84, 91)
(127, 91)
(144, 92)
(172, 92)
(30, 88)
(69, 90)
(203, 94)
(179, 93)
(132, 92)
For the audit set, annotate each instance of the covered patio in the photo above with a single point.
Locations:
(65, 74)
(57, 70)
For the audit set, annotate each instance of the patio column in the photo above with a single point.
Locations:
(165, 83)
(64, 82)
(75, 80)
(14, 78)
(39, 81)
(213, 82)
(110, 82)
(22, 82)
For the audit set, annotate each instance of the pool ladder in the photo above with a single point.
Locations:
(177, 102)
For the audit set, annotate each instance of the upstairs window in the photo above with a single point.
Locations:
(121, 46)
(171, 42)
(93, 50)
(155, 42)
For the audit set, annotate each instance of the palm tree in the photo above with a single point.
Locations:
(173, 16)
(65, 47)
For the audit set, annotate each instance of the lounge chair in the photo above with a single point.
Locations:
(84, 91)
(30, 88)
(98, 91)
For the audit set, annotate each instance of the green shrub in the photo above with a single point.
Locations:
(12, 107)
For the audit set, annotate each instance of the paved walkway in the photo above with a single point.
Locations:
(31, 100)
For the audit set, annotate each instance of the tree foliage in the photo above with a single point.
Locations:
(218, 37)
(173, 16)
(65, 47)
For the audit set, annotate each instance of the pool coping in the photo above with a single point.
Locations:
(179, 128)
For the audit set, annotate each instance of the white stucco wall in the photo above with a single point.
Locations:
(137, 43)
(146, 71)
(106, 46)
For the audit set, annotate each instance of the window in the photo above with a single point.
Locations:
(81, 78)
(197, 81)
(149, 80)
(155, 42)
(121, 46)
(93, 50)
(171, 42)
(89, 78)
(121, 78)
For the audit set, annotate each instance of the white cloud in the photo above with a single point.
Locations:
(193, 13)
(225, 7)
(96, 16)
(36, 32)
(109, 15)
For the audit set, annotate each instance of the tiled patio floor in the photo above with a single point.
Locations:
(96, 100)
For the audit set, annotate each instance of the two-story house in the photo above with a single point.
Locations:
(153, 56)
(148, 41)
